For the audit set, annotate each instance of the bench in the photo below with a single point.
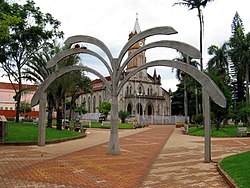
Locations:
(185, 129)
(242, 131)
(105, 123)
(86, 123)
(66, 124)
(141, 125)
(78, 126)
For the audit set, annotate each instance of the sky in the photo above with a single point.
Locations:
(111, 21)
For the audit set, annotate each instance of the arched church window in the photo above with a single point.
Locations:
(89, 104)
(140, 90)
(84, 103)
(148, 91)
(130, 90)
(129, 108)
(127, 91)
(94, 104)
(100, 100)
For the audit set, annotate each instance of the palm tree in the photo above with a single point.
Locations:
(187, 81)
(218, 71)
(196, 4)
(79, 83)
(37, 72)
(219, 59)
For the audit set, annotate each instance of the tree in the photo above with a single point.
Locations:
(78, 83)
(240, 56)
(188, 83)
(104, 108)
(196, 4)
(25, 107)
(223, 83)
(218, 71)
(36, 72)
(31, 33)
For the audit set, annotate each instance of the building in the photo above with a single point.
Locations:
(141, 95)
(7, 102)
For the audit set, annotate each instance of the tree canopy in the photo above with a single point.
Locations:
(26, 31)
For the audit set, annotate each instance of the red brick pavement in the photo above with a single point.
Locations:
(91, 167)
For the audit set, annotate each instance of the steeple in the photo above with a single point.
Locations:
(137, 28)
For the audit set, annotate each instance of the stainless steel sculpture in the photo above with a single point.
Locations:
(115, 68)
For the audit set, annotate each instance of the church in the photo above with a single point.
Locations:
(141, 95)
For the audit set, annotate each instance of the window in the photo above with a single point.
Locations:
(94, 107)
(100, 100)
(140, 90)
(6, 108)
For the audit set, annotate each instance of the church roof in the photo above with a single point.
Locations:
(8, 86)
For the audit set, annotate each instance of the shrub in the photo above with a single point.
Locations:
(123, 115)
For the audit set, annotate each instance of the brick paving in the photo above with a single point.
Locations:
(181, 162)
(158, 156)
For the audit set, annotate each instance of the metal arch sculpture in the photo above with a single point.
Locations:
(115, 69)
(213, 90)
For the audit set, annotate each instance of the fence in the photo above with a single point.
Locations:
(162, 120)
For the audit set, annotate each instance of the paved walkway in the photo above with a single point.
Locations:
(157, 156)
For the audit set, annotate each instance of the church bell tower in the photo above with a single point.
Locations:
(140, 59)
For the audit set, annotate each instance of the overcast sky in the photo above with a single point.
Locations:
(111, 21)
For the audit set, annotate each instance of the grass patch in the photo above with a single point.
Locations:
(227, 131)
(238, 168)
(28, 132)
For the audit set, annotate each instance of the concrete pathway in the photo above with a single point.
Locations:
(181, 162)
(149, 159)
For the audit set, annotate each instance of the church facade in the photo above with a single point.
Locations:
(141, 95)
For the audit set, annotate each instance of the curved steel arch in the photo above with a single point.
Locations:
(90, 40)
(43, 87)
(180, 46)
(58, 57)
(165, 30)
(211, 88)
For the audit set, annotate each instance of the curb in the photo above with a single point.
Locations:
(226, 177)
(35, 143)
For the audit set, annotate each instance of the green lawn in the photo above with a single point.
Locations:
(238, 168)
(227, 131)
(28, 132)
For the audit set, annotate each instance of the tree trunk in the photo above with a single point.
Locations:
(50, 118)
(18, 101)
(59, 118)
(247, 92)
(201, 28)
(114, 145)
(72, 107)
(185, 99)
